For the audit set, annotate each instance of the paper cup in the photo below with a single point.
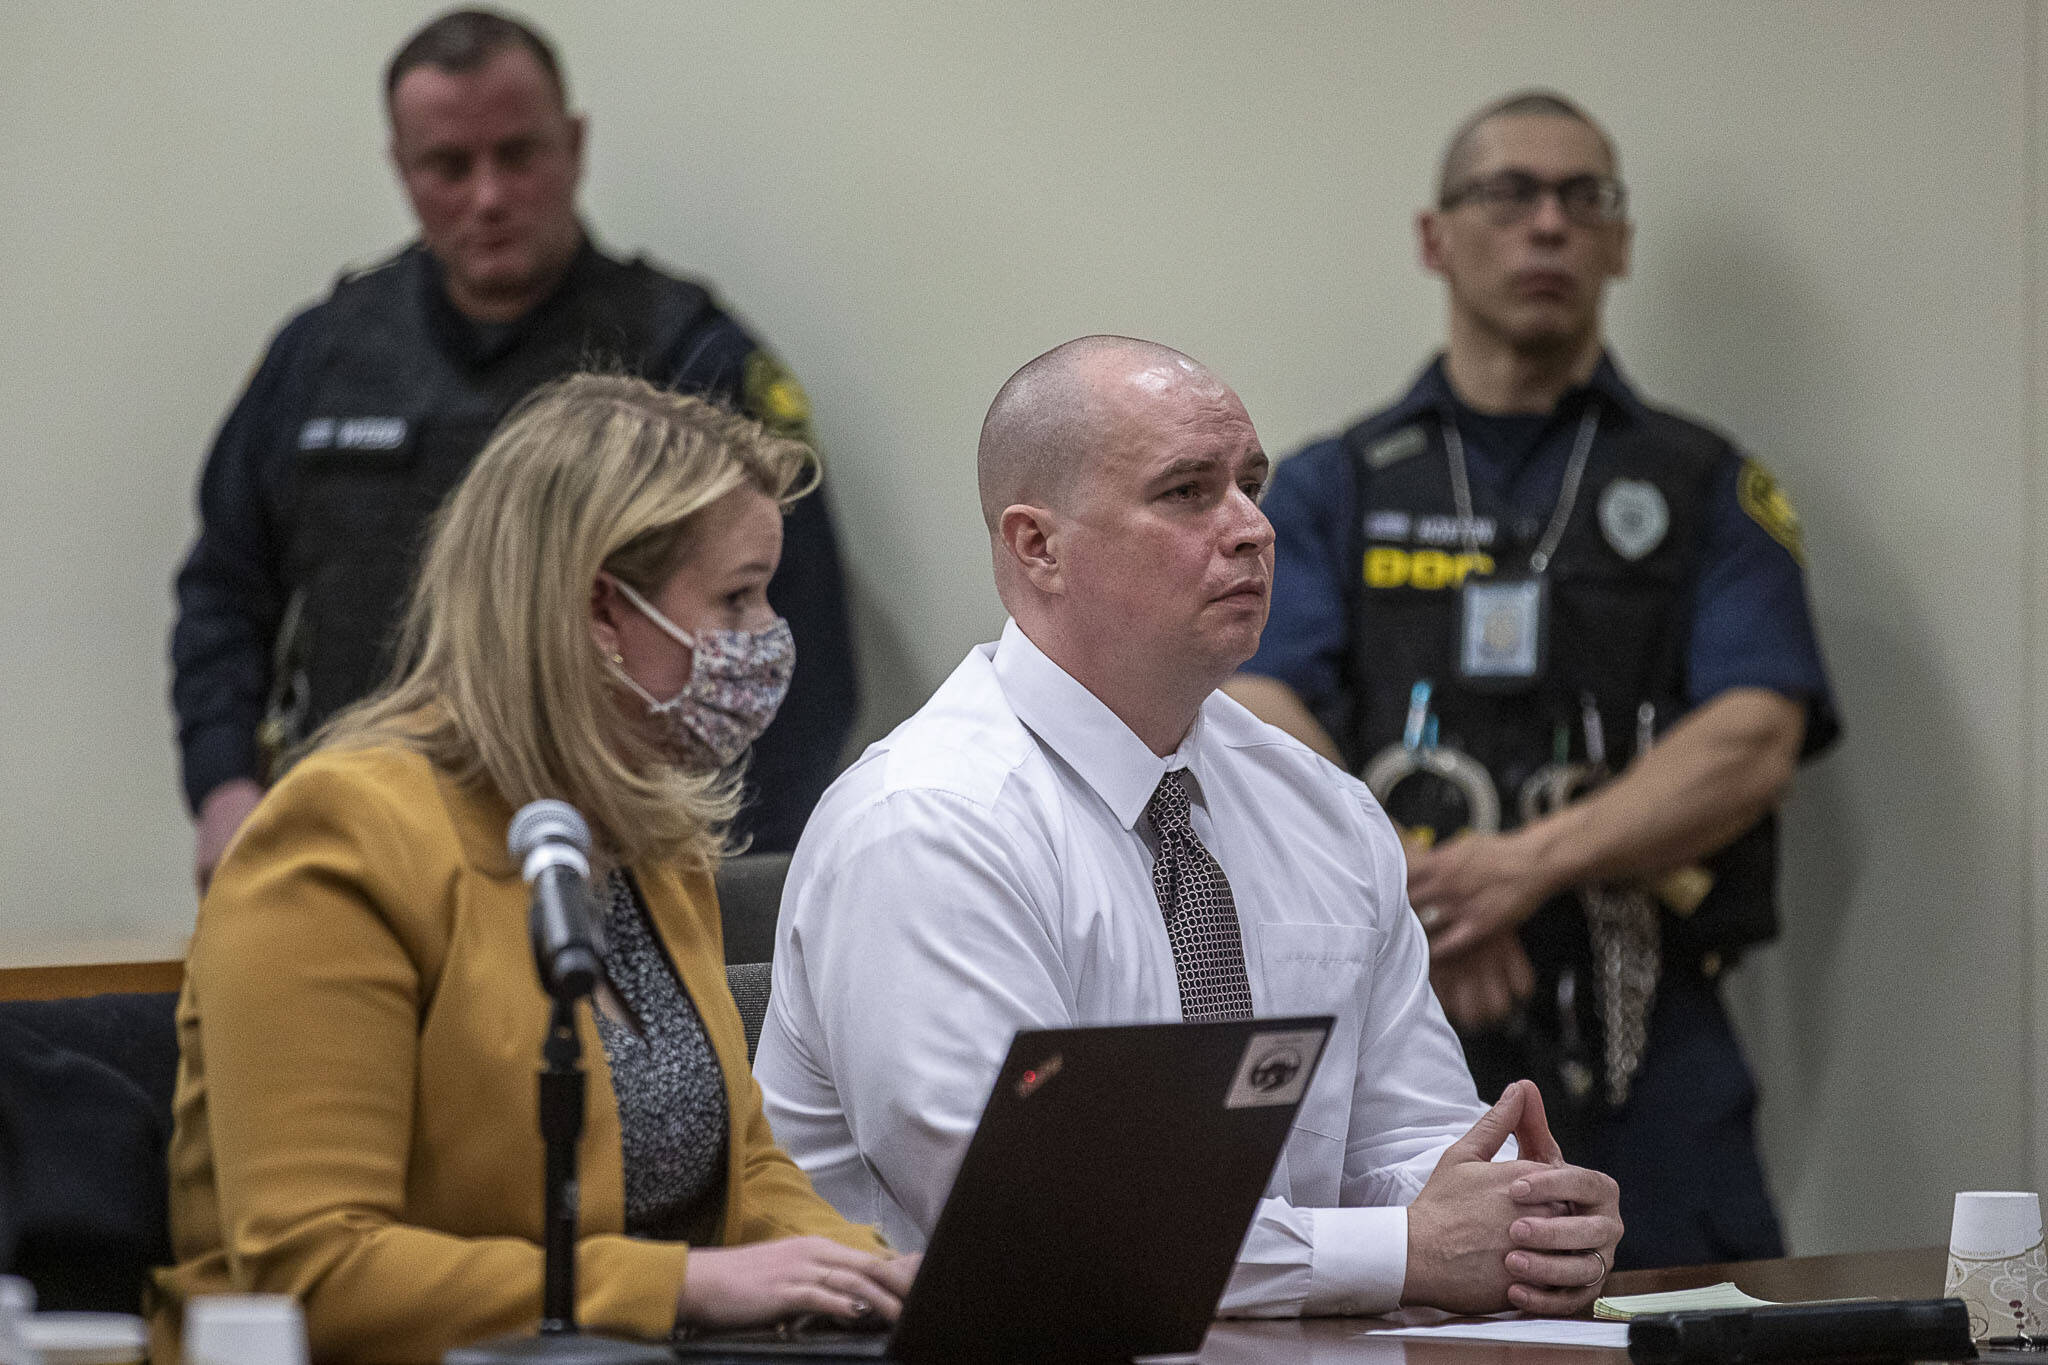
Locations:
(244, 1329)
(85, 1338)
(1997, 1264)
(17, 1301)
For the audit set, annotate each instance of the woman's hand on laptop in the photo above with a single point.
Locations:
(897, 1270)
(764, 1282)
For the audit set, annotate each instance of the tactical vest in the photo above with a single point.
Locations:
(1619, 630)
(396, 415)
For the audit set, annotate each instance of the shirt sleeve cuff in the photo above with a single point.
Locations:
(1359, 1263)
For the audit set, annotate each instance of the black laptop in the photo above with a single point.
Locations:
(1101, 1203)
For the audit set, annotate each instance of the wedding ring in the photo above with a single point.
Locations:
(1595, 1254)
(861, 1307)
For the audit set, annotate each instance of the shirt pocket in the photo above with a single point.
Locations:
(1322, 969)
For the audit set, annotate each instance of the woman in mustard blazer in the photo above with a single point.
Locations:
(361, 1021)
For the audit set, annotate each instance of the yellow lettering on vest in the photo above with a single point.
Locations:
(1385, 568)
(1472, 562)
(1429, 569)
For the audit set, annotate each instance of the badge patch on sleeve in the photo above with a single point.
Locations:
(771, 395)
(1767, 506)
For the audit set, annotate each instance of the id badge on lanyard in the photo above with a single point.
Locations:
(1504, 619)
(1503, 631)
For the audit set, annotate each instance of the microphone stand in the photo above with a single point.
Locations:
(562, 1085)
(562, 1088)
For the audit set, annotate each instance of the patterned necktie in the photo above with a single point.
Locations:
(1201, 917)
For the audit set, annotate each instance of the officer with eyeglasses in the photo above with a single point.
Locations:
(1564, 635)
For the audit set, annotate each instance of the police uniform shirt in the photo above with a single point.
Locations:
(234, 588)
(1751, 626)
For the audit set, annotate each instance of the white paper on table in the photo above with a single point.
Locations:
(1526, 1331)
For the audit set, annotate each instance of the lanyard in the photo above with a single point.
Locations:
(1567, 496)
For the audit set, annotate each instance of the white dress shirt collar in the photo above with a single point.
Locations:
(1088, 737)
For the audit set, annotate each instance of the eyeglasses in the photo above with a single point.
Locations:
(1509, 197)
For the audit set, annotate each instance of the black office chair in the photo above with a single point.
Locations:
(85, 1124)
(749, 898)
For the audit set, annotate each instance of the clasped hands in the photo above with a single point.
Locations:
(1536, 1233)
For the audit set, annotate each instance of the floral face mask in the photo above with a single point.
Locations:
(737, 680)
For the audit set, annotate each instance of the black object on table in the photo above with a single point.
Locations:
(1857, 1333)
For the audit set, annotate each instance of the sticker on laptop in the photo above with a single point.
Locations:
(1275, 1068)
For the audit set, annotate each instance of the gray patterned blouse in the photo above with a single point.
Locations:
(673, 1118)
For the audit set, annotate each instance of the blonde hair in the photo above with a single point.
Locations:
(499, 680)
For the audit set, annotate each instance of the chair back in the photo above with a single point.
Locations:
(749, 899)
(85, 1125)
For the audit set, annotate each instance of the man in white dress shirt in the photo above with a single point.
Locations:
(990, 866)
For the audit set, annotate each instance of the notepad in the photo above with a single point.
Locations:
(1518, 1330)
(1723, 1295)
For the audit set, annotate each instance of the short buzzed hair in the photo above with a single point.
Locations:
(1044, 416)
(464, 40)
(1457, 160)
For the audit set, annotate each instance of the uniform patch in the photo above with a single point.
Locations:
(1760, 496)
(1388, 525)
(772, 396)
(1634, 517)
(353, 433)
(1397, 447)
(1443, 530)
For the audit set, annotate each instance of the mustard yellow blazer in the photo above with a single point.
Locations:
(356, 1108)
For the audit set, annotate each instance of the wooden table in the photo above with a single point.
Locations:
(1913, 1274)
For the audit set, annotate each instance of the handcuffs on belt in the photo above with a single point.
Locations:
(1419, 754)
(1548, 789)
(1461, 780)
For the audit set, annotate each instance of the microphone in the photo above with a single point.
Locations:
(552, 843)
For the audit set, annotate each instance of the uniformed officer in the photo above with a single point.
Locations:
(369, 406)
(1523, 598)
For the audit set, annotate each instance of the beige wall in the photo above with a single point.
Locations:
(1841, 246)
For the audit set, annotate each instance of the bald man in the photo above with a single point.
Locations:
(1079, 828)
